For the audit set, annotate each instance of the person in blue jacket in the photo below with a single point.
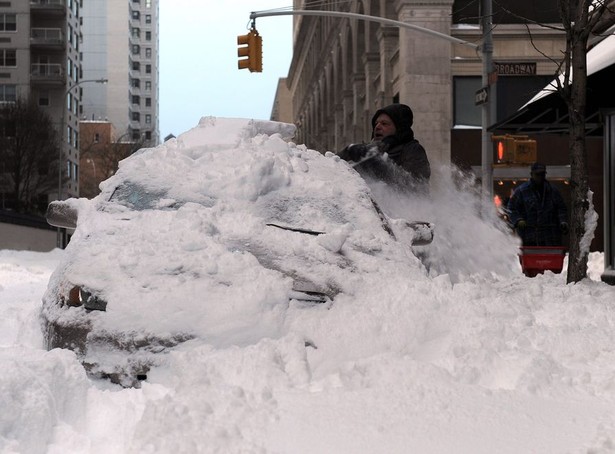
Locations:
(537, 210)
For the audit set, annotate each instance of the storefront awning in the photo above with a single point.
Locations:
(547, 112)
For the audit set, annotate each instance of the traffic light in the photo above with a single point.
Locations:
(512, 149)
(505, 148)
(250, 46)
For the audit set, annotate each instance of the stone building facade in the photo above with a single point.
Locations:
(344, 69)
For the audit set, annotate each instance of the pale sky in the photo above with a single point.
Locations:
(198, 61)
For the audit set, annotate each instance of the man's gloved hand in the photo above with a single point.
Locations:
(564, 228)
(521, 224)
(354, 152)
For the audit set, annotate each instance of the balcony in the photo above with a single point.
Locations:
(47, 37)
(56, 7)
(47, 73)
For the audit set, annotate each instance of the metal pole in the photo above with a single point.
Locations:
(382, 20)
(486, 146)
(63, 143)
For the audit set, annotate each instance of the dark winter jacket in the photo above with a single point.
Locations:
(543, 210)
(398, 159)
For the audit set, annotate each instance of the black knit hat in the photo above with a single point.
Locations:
(538, 167)
(401, 115)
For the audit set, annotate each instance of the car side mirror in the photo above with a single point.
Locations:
(417, 233)
(62, 214)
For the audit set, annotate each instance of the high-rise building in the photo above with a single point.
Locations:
(39, 60)
(120, 44)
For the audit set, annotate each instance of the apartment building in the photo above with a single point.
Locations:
(120, 44)
(39, 59)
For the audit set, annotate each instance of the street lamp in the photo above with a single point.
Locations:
(63, 142)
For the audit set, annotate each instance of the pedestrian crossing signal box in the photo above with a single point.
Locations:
(514, 149)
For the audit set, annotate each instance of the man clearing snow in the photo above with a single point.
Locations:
(393, 155)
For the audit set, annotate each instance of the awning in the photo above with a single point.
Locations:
(548, 113)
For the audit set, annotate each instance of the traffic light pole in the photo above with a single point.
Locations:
(256, 14)
(486, 145)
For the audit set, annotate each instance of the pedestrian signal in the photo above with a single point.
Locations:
(250, 51)
(515, 149)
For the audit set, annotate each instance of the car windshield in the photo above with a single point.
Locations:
(137, 197)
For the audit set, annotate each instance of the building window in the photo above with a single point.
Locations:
(466, 113)
(514, 91)
(8, 57)
(148, 36)
(136, 66)
(148, 3)
(136, 49)
(136, 135)
(148, 18)
(8, 22)
(148, 135)
(136, 83)
(136, 116)
(136, 100)
(148, 85)
(8, 128)
(8, 93)
(148, 102)
(96, 137)
(148, 52)
(148, 119)
(136, 32)
(148, 69)
(75, 171)
(136, 15)
(43, 99)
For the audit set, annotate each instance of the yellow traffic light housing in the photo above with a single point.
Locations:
(505, 148)
(250, 51)
(515, 149)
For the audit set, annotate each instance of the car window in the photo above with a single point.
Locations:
(137, 197)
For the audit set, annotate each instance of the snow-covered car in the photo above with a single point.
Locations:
(229, 223)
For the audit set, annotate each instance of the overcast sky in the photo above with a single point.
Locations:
(198, 61)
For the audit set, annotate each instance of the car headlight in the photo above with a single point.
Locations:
(78, 296)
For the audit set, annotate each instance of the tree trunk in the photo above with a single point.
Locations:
(579, 184)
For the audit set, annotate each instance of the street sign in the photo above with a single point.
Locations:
(481, 96)
(515, 68)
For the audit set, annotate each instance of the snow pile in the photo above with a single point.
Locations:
(199, 265)
(591, 223)
(464, 355)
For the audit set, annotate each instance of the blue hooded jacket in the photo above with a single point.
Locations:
(543, 209)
